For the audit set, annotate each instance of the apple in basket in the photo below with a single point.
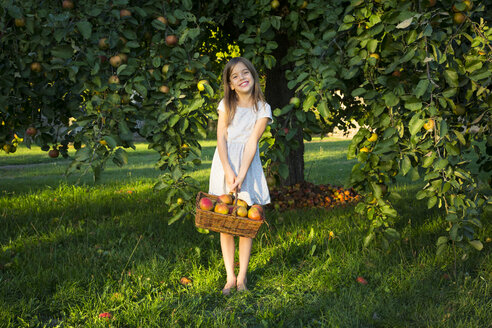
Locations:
(243, 203)
(242, 211)
(259, 207)
(254, 213)
(226, 199)
(221, 208)
(206, 204)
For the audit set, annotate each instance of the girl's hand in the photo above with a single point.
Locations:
(238, 183)
(230, 180)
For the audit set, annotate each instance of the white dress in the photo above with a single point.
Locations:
(254, 189)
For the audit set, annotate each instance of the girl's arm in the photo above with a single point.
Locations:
(222, 149)
(250, 151)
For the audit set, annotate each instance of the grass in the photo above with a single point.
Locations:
(72, 251)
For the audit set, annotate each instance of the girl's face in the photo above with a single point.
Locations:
(241, 79)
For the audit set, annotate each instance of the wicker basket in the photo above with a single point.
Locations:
(227, 223)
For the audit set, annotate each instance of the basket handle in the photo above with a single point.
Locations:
(234, 210)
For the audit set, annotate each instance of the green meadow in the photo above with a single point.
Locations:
(72, 250)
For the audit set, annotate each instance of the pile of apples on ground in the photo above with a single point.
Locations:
(224, 205)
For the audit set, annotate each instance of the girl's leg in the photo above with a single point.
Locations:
(228, 250)
(244, 254)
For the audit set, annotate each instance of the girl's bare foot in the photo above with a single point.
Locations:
(241, 286)
(228, 287)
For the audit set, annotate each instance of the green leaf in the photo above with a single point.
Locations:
(83, 154)
(406, 165)
(421, 88)
(64, 52)
(431, 202)
(392, 233)
(309, 102)
(176, 217)
(173, 120)
(451, 78)
(323, 109)
(415, 124)
(404, 24)
(390, 99)
(120, 157)
(110, 140)
(477, 244)
(284, 171)
(372, 45)
(368, 239)
(460, 137)
(85, 29)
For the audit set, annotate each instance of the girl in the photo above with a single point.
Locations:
(243, 117)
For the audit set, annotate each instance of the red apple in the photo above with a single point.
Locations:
(206, 204)
(254, 213)
(67, 4)
(31, 131)
(171, 40)
(54, 153)
(226, 199)
(125, 13)
(362, 281)
(221, 208)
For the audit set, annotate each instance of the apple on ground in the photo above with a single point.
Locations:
(361, 280)
(206, 204)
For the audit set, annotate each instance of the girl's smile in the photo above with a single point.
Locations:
(241, 79)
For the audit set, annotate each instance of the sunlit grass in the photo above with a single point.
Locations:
(70, 251)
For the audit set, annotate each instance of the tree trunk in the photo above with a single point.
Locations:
(278, 95)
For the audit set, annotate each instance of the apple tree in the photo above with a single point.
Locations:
(423, 70)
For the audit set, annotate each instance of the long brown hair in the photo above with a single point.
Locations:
(230, 96)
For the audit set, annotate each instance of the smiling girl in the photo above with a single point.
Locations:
(243, 117)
